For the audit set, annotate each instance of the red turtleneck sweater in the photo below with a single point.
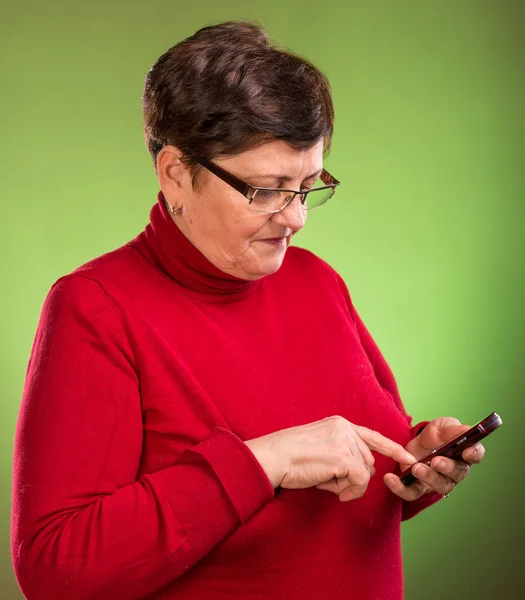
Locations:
(131, 479)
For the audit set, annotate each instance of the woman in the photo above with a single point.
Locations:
(192, 396)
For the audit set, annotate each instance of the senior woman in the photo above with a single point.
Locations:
(193, 397)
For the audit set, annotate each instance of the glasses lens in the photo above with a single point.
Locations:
(276, 200)
(317, 198)
(270, 200)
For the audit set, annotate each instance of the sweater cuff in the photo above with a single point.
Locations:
(212, 488)
(411, 509)
(417, 429)
(239, 472)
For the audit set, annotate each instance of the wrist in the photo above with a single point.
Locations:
(268, 460)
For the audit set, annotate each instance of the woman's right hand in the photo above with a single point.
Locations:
(332, 454)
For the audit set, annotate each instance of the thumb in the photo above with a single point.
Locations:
(439, 432)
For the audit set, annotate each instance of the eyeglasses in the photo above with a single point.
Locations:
(273, 200)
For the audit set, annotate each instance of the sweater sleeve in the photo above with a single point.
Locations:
(411, 509)
(387, 381)
(79, 530)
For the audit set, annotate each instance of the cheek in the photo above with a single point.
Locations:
(230, 224)
(245, 233)
(246, 227)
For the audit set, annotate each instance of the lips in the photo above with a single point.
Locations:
(275, 238)
(276, 242)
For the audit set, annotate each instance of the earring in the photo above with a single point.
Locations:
(176, 210)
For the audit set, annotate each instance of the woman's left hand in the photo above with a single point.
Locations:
(443, 473)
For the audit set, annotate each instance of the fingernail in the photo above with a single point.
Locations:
(473, 452)
(440, 463)
(390, 480)
(419, 470)
(411, 458)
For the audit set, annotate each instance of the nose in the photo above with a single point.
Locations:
(292, 216)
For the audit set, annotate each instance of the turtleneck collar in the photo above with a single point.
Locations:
(182, 261)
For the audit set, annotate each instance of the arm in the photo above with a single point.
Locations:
(386, 379)
(83, 526)
(438, 479)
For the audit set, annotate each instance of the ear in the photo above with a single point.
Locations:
(172, 173)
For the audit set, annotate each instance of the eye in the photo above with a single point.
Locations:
(310, 184)
(267, 194)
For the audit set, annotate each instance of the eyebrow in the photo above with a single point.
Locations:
(281, 178)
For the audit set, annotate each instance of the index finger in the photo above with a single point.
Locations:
(375, 441)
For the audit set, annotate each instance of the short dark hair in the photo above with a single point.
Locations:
(227, 89)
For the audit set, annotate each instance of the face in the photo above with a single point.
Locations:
(217, 219)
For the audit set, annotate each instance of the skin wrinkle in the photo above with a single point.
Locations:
(217, 219)
(279, 178)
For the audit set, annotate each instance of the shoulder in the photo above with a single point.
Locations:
(303, 263)
(77, 298)
(103, 271)
(315, 277)
(108, 265)
(86, 287)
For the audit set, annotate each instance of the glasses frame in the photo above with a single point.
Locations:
(250, 191)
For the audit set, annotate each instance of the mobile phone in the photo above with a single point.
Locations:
(455, 447)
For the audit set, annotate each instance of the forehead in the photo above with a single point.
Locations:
(280, 159)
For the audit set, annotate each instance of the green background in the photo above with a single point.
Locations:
(427, 228)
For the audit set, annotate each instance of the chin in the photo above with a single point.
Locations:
(265, 267)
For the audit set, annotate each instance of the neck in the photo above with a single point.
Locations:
(182, 261)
